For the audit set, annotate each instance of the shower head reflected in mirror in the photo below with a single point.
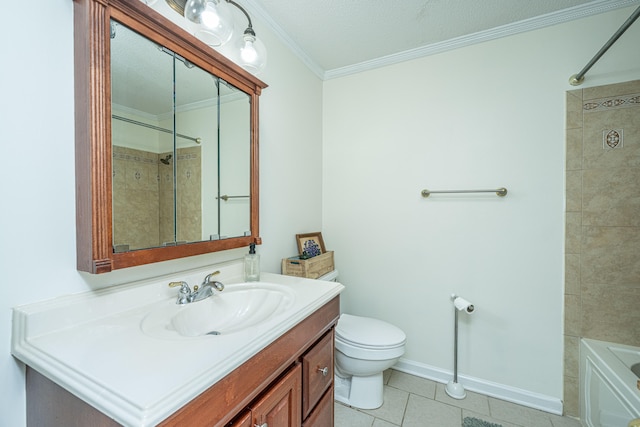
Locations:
(166, 159)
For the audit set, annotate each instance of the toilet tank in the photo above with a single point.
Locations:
(331, 276)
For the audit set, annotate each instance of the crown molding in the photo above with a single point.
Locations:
(542, 21)
(258, 11)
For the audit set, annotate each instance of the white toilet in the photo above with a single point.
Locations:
(365, 347)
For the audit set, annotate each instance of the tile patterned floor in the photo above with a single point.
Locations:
(411, 401)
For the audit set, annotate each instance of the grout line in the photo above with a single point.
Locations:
(406, 405)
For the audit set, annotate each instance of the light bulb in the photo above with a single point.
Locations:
(248, 52)
(215, 19)
(209, 18)
(193, 10)
(253, 54)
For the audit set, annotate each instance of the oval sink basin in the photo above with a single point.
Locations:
(234, 309)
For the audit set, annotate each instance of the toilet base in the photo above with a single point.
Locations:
(360, 392)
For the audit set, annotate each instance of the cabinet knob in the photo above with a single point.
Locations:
(325, 371)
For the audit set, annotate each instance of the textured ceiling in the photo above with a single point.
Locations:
(338, 34)
(143, 78)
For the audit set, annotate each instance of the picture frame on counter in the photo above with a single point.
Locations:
(310, 244)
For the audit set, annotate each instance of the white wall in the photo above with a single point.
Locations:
(37, 239)
(484, 116)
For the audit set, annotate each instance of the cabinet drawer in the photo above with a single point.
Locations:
(322, 415)
(317, 372)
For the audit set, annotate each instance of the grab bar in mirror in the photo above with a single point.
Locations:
(225, 197)
(499, 191)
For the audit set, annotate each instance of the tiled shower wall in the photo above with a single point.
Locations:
(602, 250)
(189, 194)
(135, 198)
(143, 197)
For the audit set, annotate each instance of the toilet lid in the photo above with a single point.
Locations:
(368, 332)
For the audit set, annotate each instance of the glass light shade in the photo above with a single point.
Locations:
(214, 18)
(253, 54)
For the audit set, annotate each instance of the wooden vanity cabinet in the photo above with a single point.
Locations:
(322, 415)
(304, 393)
(283, 385)
(318, 382)
(317, 371)
(243, 420)
(280, 405)
(301, 397)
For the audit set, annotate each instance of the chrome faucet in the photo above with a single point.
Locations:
(205, 290)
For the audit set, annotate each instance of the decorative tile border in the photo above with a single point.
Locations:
(133, 155)
(151, 158)
(134, 158)
(611, 103)
(188, 156)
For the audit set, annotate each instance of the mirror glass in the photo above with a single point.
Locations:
(181, 140)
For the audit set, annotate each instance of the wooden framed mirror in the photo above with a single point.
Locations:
(116, 226)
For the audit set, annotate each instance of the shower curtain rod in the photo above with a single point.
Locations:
(577, 79)
(135, 122)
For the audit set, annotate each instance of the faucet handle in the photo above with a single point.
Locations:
(181, 283)
(184, 293)
(209, 276)
(207, 280)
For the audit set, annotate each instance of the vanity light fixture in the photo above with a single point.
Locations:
(214, 21)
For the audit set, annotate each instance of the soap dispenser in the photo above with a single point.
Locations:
(252, 265)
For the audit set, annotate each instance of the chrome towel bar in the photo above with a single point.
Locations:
(499, 191)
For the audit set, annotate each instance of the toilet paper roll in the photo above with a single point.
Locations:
(463, 305)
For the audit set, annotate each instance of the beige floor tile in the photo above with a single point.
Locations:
(404, 407)
(392, 410)
(413, 384)
(559, 421)
(473, 402)
(386, 375)
(382, 423)
(423, 412)
(519, 415)
(345, 416)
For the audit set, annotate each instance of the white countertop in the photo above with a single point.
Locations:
(92, 344)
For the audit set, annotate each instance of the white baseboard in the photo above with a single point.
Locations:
(499, 391)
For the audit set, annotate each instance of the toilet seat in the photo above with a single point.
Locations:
(367, 332)
(368, 338)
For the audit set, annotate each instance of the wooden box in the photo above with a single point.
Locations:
(311, 268)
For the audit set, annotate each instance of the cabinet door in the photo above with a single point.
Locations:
(280, 405)
(317, 372)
